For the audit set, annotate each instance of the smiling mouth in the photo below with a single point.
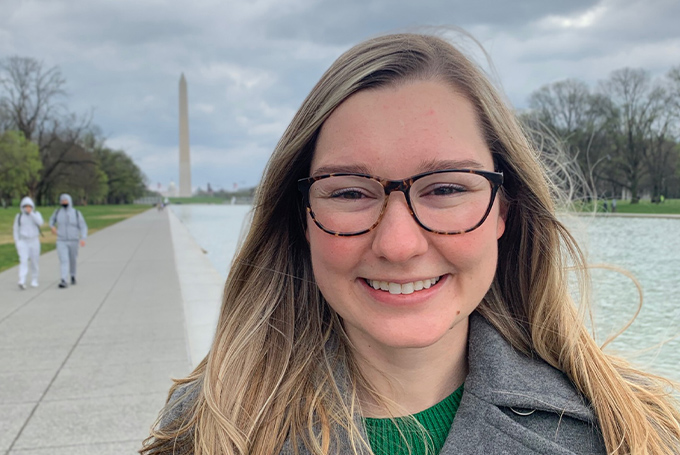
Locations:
(404, 288)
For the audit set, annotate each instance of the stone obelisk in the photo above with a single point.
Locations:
(184, 158)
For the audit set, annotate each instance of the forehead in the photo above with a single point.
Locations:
(396, 132)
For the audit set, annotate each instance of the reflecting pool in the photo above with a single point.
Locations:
(648, 248)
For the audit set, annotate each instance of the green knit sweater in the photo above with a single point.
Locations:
(385, 438)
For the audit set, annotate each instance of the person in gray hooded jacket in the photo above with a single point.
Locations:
(27, 240)
(71, 229)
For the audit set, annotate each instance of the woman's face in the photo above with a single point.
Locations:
(395, 133)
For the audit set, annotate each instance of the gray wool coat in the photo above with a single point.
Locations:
(512, 404)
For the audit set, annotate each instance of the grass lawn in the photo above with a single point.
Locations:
(198, 200)
(669, 206)
(96, 216)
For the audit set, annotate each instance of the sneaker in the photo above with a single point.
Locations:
(34, 283)
(22, 286)
(73, 280)
(62, 284)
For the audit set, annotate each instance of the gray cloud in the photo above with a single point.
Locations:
(331, 21)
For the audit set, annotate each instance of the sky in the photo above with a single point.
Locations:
(249, 64)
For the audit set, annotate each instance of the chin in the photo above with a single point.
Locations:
(415, 338)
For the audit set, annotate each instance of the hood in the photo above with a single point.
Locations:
(67, 197)
(27, 201)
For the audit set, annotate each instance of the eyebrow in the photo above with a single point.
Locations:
(436, 165)
(341, 168)
(424, 166)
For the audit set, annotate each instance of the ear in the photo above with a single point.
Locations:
(502, 217)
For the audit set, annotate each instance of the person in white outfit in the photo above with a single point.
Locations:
(71, 229)
(27, 239)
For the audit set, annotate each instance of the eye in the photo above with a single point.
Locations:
(346, 189)
(443, 189)
(348, 193)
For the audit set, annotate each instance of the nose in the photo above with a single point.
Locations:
(398, 237)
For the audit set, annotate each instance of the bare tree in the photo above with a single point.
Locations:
(30, 95)
(625, 135)
(563, 105)
(639, 105)
(579, 120)
(57, 153)
(663, 153)
(31, 99)
(673, 77)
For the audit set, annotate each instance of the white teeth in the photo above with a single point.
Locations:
(406, 288)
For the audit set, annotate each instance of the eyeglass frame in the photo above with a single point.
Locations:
(495, 178)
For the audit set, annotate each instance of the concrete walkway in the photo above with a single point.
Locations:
(85, 370)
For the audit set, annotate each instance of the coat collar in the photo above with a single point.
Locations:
(503, 376)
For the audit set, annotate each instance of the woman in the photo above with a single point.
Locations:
(404, 270)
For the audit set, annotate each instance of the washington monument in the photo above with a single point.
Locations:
(184, 158)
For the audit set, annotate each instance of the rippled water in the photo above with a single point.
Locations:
(649, 248)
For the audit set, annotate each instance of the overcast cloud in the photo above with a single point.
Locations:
(249, 64)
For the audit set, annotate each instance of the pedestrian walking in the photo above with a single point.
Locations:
(27, 240)
(71, 230)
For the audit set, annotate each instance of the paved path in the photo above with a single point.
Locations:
(84, 370)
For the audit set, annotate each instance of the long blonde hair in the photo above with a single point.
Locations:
(271, 375)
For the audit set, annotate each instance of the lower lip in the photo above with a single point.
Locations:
(415, 298)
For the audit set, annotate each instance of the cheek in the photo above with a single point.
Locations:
(474, 254)
(333, 258)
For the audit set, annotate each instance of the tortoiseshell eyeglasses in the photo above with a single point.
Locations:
(447, 201)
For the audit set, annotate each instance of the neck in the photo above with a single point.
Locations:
(414, 378)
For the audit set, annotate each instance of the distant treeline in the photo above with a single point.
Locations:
(621, 137)
(242, 193)
(45, 150)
